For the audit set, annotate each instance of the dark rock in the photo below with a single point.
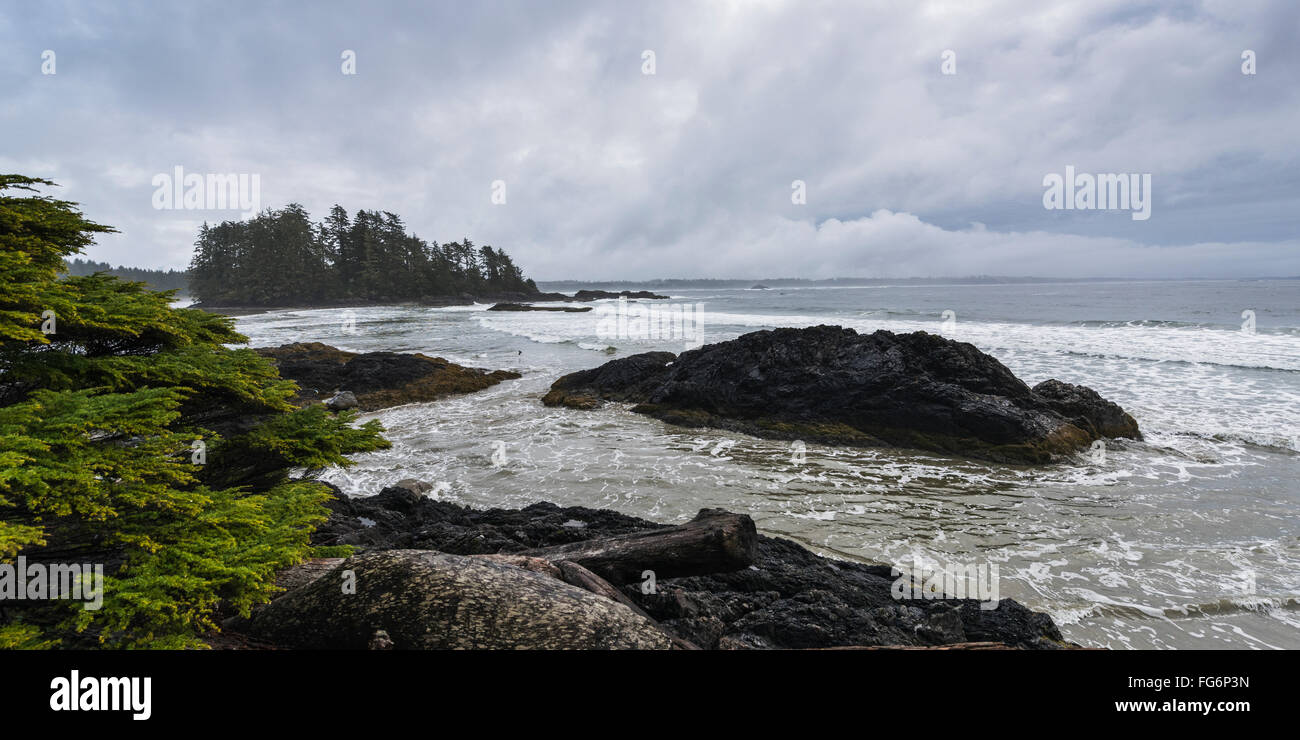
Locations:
(400, 518)
(377, 379)
(788, 598)
(525, 307)
(626, 379)
(832, 385)
(1086, 409)
(793, 598)
(592, 295)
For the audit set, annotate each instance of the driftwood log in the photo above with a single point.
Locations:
(715, 541)
(498, 599)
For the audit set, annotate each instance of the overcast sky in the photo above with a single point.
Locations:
(611, 173)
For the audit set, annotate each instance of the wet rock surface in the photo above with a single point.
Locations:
(374, 380)
(832, 385)
(592, 295)
(526, 307)
(625, 379)
(789, 598)
(1086, 409)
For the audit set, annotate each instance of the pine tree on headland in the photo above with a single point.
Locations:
(281, 258)
(106, 394)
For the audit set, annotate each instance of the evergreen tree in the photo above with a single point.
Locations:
(336, 233)
(106, 395)
(281, 258)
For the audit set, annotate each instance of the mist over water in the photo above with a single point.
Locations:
(1190, 538)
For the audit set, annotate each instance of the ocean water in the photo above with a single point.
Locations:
(1188, 539)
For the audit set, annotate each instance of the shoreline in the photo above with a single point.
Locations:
(581, 296)
(776, 594)
(779, 596)
(242, 310)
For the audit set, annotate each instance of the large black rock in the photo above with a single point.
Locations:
(377, 379)
(832, 385)
(592, 295)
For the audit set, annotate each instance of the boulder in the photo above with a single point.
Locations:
(414, 485)
(424, 600)
(376, 380)
(627, 379)
(526, 307)
(832, 385)
(1086, 409)
(342, 400)
(592, 295)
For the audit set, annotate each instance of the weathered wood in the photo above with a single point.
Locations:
(715, 541)
(576, 575)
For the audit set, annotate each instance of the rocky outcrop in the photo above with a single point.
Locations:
(422, 600)
(630, 379)
(792, 598)
(834, 386)
(592, 295)
(374, 380)
(1086, 409)
(787, 597)
(525, 307)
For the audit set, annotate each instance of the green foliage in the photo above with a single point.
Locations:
(19, 636)
(99, 421)
(281, 258)
(333, 551)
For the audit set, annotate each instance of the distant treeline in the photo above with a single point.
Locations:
(156, 279)
(731, 283)
(283, 258)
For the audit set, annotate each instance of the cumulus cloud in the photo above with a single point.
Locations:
(611, 173)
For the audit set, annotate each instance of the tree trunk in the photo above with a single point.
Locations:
(715, 541)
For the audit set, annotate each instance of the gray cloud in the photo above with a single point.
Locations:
(614, 174)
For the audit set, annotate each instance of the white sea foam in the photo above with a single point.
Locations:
(1151, 548)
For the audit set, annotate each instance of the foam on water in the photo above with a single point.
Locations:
(1186, 539)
